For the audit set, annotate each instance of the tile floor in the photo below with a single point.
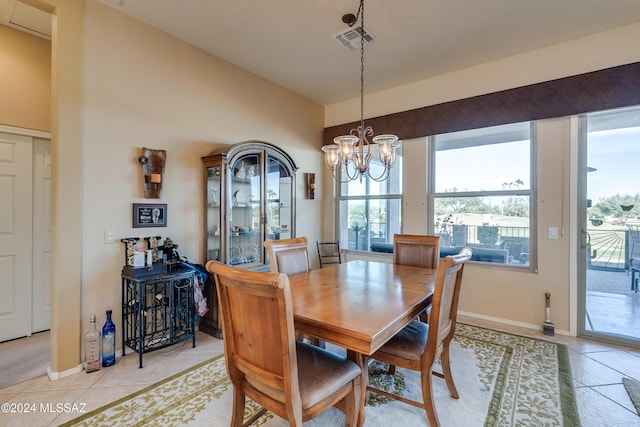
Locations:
(597, 370)
(612, 307)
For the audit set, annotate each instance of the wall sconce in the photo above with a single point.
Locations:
(152, 162)
(310, 183)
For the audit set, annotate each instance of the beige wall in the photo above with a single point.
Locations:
(146, 88)
(119, 85)
(505, 294)
(25, 80)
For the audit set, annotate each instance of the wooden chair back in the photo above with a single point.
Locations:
(259, 336)
(293, 380)
(329, 253)
(416, 250)
(444, 305)
(288, 256)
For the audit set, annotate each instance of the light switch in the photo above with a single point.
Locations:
(553, 233)
(108, 236)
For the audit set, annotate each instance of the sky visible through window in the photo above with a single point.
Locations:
(484, 168)
(615, 154)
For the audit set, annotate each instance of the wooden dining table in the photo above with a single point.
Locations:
(359, 305)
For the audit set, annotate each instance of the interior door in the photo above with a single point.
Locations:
(41, 298)
(15, 235)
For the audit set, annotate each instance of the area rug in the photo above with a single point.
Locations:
(633, 389)
(502, 380)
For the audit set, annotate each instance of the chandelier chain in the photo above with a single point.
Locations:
(361, 13)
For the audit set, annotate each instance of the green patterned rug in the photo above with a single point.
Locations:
(502, 379)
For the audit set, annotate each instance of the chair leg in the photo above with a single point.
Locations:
(391, 370)
(238, 408)
(352, 404)
(427, 396)
(446, 370)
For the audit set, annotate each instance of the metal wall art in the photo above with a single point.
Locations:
(152, 162)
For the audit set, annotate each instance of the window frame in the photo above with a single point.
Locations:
(340, 198)
(432, 195)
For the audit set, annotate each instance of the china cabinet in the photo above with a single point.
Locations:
(249, 198)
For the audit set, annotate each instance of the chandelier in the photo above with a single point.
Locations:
(352, 153)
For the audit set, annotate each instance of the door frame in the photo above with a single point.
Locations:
(581, 141)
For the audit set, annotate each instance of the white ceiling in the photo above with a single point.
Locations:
(290, 42)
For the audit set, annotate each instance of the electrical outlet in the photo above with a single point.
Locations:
(553, 233)
(108, 236)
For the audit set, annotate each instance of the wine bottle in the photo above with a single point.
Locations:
(92, 346)
(108, 342)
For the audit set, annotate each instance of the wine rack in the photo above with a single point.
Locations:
(157, 311)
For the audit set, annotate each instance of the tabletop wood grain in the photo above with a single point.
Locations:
(359, 305)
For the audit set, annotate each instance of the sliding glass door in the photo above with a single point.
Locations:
(609, 256)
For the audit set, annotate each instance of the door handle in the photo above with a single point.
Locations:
(586, 239)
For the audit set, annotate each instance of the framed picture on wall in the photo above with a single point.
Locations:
(149, 215)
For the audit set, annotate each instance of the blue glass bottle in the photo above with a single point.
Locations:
(108, 342)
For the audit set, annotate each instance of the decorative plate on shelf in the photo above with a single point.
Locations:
(242, 198)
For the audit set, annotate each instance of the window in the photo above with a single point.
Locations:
(369, 211)
(482, 193)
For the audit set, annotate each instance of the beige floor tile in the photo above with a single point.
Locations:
(590, 372)
(18, 387)
(584, 346)
(617, 393)
(127, 371)
(598, 411)
(79, 380)
(43, 407)
(624, 362)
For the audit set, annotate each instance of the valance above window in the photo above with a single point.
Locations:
(598, 90)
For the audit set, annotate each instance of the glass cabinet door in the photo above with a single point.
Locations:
(214, 223)
(244, 206)
(250, 198)
(278, 201)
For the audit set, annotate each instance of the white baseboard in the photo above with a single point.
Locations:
(57, 375)
(53, 375)
(531, 326)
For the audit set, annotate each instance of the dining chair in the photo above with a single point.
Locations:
(294, 380)
(419, 345)
(329, 253)
(291, 256)
(416, 250)
(288, 256)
